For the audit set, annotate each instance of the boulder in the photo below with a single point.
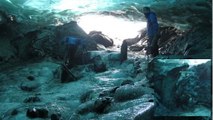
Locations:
(29, 86)
(101, 104)
(49, 41)
(136, 48)
(98, 105)
(143, 111)
(146, 113)
(100, 38)
(128, 92)
(70, 29)
(126, 82)
(108, 93)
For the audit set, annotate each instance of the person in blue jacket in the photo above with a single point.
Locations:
(72, 44)
(152, 31)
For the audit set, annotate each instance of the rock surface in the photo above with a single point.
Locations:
(179, 85)
(195, 43)
(100, 38)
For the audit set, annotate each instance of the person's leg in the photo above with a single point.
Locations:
(149, 45)
(154, 46)
(66, 55)
(123, 55)
(72, 52)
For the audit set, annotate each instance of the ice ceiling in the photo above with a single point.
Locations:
(80, 6)
(181, 14)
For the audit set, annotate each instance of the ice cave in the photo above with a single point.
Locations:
(105, 60)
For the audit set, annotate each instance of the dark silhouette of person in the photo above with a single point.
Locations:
(123, 55)
(72, 44)
(151, 32)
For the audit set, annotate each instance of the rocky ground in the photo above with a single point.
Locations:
(116, 91)
(95, 95)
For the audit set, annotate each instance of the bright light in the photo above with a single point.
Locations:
(197, 61)
(116, 28)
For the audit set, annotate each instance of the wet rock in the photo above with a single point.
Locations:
(101, 47)
(125, 82)
(108, 93)
(128, 92)
(101, 104)
(145, 114)
(100, 67)
(37, 113)
(98, 105)
(143, 111)
(29, 86)
(32, 99)
(101, 38)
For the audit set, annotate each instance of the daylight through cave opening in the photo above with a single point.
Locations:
(114, 27)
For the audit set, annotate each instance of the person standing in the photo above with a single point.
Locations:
(152, 32)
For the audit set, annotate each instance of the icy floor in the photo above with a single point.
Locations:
(64, 98)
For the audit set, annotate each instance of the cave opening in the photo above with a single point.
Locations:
(117, 28)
